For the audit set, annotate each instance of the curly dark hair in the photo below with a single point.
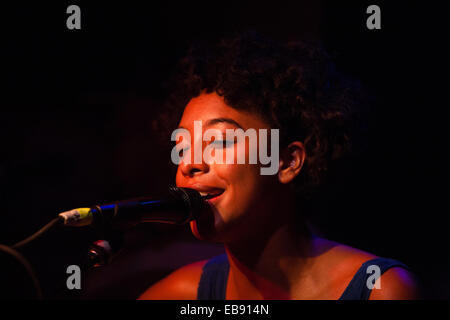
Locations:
(294, 86)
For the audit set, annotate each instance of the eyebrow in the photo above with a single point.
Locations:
(222, 120)
(214, 121)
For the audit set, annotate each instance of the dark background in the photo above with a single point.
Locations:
(75, 130)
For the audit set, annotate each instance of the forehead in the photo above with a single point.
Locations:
(208, 106)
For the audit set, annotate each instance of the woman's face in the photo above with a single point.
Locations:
(244, 193)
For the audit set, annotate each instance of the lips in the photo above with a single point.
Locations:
(208, 193)
(211, 195)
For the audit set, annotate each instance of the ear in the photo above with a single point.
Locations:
(291, 161)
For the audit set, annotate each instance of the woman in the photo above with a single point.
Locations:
(271, 252)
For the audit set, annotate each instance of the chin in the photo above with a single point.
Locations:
(194, 230)
(217, 231)
(210, 236)
(204, 227)
(209, 229)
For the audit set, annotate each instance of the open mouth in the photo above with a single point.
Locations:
(211, 194)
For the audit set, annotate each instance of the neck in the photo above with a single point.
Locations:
(271, 260)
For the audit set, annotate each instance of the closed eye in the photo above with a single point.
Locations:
(223, 143)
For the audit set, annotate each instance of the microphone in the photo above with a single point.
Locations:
(177, 206)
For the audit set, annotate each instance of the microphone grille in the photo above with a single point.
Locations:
(192, 201)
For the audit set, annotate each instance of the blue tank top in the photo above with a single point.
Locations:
(213, 281)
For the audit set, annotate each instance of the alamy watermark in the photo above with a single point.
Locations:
(373, 22)
(222, 151)
(74, 280)
(375, 274)
(74, 20)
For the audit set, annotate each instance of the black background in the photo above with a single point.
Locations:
(77, 107)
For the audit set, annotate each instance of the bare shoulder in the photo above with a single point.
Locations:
(395, 283)
(343, 258)
(181, 284)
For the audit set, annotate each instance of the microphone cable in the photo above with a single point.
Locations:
(27, 266)
(54, 223)
(12, 252)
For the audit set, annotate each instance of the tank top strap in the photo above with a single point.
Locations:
(213, 281)
(357, 289)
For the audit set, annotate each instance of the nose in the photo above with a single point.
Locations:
(193, 169)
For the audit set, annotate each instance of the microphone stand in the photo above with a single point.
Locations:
(101, 252)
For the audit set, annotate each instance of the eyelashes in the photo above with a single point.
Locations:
(223, 144)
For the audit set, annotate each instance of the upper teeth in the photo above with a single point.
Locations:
(207, 193)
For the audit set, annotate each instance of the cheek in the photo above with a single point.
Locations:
(242, 181)
(234, 174)
(239, 173)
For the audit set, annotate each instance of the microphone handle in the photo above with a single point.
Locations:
(178, 206)
(132, 212)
